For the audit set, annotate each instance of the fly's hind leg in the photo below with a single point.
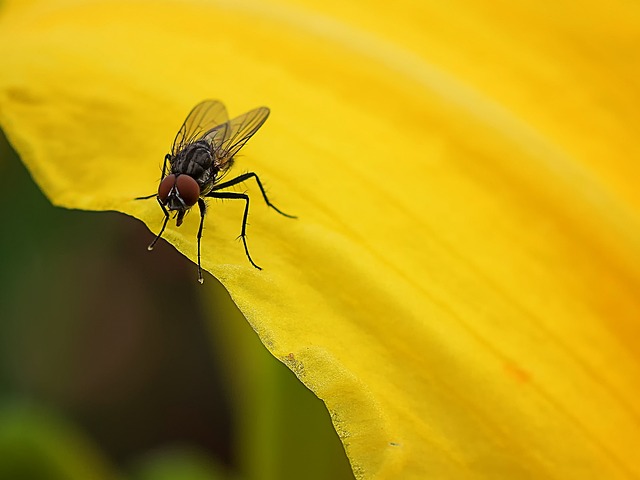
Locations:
(247, 176)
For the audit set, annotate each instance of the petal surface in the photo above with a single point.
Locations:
(462, 285)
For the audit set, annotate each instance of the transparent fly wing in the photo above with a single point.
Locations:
(230, 137)
(202, 118)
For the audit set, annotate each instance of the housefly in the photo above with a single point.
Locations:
(202, 154)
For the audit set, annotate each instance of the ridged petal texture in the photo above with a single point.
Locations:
(461, 287)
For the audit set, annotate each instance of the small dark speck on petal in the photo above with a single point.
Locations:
(22, 95)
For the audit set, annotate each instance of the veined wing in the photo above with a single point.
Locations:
(230, 137)
(203, 117)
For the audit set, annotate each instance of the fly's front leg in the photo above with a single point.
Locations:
(167, 158)
(238, 196)
(164, 171)
(166, 219)
(203, 209)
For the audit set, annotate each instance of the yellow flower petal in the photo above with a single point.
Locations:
(462, 286)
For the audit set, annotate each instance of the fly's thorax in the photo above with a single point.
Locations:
(194, 160)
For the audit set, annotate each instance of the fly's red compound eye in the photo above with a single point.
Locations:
(188, 189)
(165, 187)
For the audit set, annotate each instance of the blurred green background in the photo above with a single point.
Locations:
(116, 363)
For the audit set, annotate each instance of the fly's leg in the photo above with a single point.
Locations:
(164, 170)
(166, 219)
(203, 209)
(239, 196)
(247, 176)
(167, 158)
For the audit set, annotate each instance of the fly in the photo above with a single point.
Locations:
(202, 153)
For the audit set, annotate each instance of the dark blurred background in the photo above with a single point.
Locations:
(115, 361)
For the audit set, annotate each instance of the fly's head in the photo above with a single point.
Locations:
(179, 193)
